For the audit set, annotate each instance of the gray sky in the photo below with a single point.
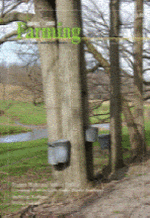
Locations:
(8, 55)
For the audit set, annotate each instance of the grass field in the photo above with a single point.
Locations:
(9, 129)
(27, 113)
(22, 162)
(25, 162)
(24, 112)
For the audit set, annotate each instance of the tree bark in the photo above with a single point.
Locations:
(138, 78)
(64, 82)
(115, 92)
(132, 127)
(74, 100)
(49, 57)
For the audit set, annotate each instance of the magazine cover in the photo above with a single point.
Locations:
(74, 108)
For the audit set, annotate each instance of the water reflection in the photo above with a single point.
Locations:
(36, 134)
(22, 137)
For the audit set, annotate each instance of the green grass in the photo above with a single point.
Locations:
(104, 109)
(5, 120)
(116, 211)
(8, 129)
(125, 136)
(24, 159)
(22, 153)
(14, 152)
(27, 160)
(147, 133)
(26, 113)
(126, 140)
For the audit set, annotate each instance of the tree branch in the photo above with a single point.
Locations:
(102, 61)
(16, 16)
(94, 68)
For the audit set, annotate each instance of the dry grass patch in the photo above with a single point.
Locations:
(17, 93)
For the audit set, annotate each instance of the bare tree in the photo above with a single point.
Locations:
(33, 82)
(140, 148)
(115, 89)
(127, 79)
(3, 81)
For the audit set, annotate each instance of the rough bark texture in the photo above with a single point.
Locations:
(138, 80)
(132, 127)
(65, 92)
(74, 100)
(49, 56)
(115, 92)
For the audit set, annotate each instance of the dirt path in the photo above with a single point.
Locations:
(128, 197)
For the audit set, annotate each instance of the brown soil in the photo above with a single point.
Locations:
(126, 194)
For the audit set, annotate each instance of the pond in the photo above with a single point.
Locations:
(36, 134)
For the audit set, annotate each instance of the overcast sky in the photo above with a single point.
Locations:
(8, 55)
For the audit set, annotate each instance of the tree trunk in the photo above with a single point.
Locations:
(130, 120)
(138, 80)
(49, 57)
(74, 100)
(65, 92)
(132, 127)
(115, 92)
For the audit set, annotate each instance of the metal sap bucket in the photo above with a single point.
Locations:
(104, 140)
(91, 134)
(59, 152)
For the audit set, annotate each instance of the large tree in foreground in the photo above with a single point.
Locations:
(75, 118)
(49, 57)
(65, 88)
